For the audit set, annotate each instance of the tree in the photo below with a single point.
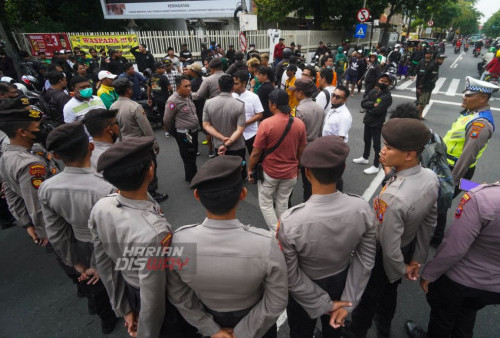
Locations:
(492, 26)
(467, 21)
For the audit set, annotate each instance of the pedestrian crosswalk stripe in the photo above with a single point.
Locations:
(404, 85)
(439, 84)
(452, 89)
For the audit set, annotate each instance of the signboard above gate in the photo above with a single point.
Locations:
(151, 9)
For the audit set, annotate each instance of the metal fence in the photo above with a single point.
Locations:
(159, 41)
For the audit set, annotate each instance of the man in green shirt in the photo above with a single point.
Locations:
(106, 91)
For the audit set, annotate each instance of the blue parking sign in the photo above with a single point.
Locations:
(360, 30)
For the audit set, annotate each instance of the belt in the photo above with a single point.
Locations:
(185, 131)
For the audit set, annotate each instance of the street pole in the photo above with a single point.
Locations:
(364, 6)
(409, 28)
(371, 36)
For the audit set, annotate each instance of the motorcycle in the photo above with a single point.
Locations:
(466, 48)
(392, 70)
(457, 49)
(476, 52)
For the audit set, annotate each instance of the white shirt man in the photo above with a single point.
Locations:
(338, 120)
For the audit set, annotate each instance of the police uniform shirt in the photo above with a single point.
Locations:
(209, 87)
(311, 113)
(132, 120)
(22, 173)
(182, 111)
(253, 106)
(321, 238)
(237, 267)
(119, 224)
(338, 122)
(99, 148)
(406, 210)
(66, 201)
(225, 113)
(470, 253)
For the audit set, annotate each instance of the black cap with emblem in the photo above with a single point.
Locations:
(126, 153)
(218, 174)
(65, 135)
(15, 103)
(16, 115)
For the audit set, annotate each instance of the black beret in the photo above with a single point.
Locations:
(217, 62)
(220, 173)
(99, 114)
(127, 153)
(14, 115)
(20, 102)
(78, 79)
(325, 152)
(59, 137)
(406, 134)
(167, 61)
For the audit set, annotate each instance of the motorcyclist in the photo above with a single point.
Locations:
(493, 67)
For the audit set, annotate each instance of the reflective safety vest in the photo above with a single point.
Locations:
(455, 137)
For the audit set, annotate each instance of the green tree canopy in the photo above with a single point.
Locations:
(492, 26)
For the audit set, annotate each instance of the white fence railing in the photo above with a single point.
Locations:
(159, 41)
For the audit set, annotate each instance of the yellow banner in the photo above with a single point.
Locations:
(107, 42)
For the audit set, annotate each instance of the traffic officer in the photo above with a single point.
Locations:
(66, 200)
(126, 228)
(102, 125)
(405, 217)
(468, 137)
(237, 289)
(181, 120)
(318, 239)
(463, 276)
(312, 114)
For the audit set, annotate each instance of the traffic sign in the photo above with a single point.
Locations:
(243, 42)
(360, 31)
(363, 15)
(430, 23)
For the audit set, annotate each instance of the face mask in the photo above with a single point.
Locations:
(336, 105)
(86, 93)
(382, 86)
(329, 67)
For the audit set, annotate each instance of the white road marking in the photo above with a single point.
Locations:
(458, 58)
(439, 84)
(405, 84)
(281, 320)
(374, 185)
(452, 90)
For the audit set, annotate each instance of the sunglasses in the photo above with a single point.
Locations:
(337, 97)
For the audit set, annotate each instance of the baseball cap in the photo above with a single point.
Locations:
(104, 74)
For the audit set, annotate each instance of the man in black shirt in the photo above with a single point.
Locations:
(81, 70)
(143, 57)
(184, 54)
(94, 62)
(158, 89)
(113, 64)
(230, 54)
(56, 97)
(265, 75)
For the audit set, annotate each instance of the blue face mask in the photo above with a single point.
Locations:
(86, 93)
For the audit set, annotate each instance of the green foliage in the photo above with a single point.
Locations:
(467, 21)
(492, 26)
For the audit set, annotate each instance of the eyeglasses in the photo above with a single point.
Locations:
(337, 97)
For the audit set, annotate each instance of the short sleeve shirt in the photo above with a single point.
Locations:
(252, 106)
(283, 163)
(338, 122)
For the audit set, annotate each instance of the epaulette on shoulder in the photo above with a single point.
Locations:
(292, 210)
(353, 195)
(184, 227)
(257, 231)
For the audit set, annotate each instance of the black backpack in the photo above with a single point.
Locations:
(434, 158)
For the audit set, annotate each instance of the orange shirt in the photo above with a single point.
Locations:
(334, 82)
(292, 101)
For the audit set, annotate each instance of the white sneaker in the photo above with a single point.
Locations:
(167, 134)
(360, 160)
(371, 170)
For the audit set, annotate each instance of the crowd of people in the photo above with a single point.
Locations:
(80, 175)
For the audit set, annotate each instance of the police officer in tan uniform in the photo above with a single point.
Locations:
(328, 242)
(21, 169)
(181, 120)
(405, 217)
(103, 126)
(66, 201)
(238, 286)
(125, 227)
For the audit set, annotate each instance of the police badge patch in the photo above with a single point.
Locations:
(171, 106)
(380, 206)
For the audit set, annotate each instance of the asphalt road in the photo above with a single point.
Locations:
(38, 300)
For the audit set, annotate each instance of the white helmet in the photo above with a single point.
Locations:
(397, 45)
(7, 79)
(21, 87)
